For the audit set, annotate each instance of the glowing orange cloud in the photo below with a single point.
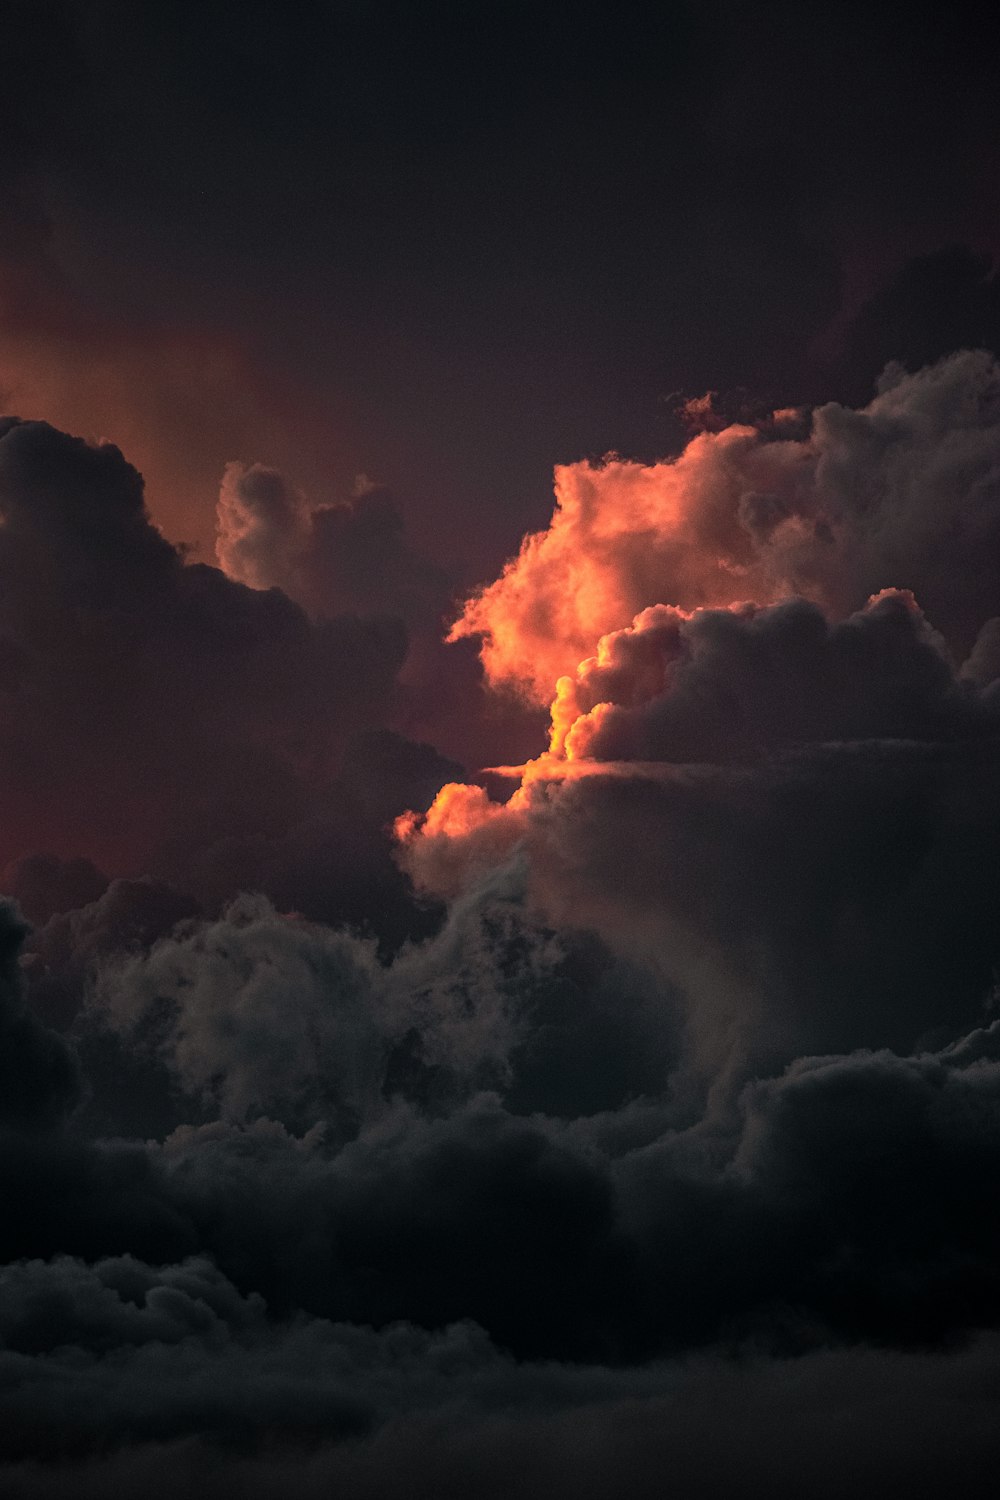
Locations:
(630, 666)
(634, 597)
(463, 833)
(624, 536)
(901, 492)
(677, 693)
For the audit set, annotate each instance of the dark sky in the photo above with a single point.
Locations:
(499, 751)
(449, 245)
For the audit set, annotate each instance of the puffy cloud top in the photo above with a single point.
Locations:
(904, 493)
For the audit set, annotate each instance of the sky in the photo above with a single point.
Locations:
(500, 666)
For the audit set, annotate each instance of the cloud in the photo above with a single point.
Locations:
(857, 1187)
(38, 1076)
(120, 1352)
(128, 916)
(259, 1015)
(823, 898)
(262, 527)
(785, 809)
(130, 1375)
(44, 886)
(161, 719)
(177, 390)
(678, 1069)
(900, 494)
(652, 1143)
(355, 557)
(784, 1423)
(182, 695)
(352, 556)
(727, 686)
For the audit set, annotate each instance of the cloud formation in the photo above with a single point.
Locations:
(162, 719)
(722, 686)
(355, 557)
(348, 557)
(676, 1072)
(900, 494)
(787, 810)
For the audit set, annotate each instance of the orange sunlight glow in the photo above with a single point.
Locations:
(456, 810)
(624, 535)
(569, 622)
(593, 617)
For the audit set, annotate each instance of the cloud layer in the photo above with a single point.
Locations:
(670, 1083)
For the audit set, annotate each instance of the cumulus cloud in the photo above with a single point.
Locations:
(182, 694)
(114, 1352)
(140, 1377)
(262, 526)
(355, 556)
(352, 556)
(45, 886)
(260, 1015)
(720, 686)
(131, 1377)
(900, 494)
(786, 808)
(784, 1425)
(60, 954)
(837, 897)
(161, 719)
(857, 1188)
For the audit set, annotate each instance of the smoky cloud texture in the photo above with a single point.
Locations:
(645, 1121)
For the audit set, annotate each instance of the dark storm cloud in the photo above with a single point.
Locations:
(728, 686)
(38, 1077)
(113, 1360)
(856, 1186)
(356, 556)
(847, 1198)
(162, 718)
(128, 915)
(825, 900)
(787, 1426)
(839, 1197)
(212, 1003)
(101, 616)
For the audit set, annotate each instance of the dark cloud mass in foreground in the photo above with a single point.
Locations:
(492, 1005)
